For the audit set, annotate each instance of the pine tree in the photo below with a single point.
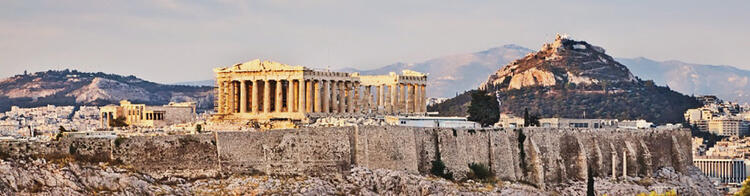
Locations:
(484, 108)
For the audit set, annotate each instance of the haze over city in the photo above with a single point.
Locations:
(148, 38)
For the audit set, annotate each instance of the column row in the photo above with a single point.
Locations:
(395, 98)
(307, 96)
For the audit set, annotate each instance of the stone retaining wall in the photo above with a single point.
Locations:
(534, 155)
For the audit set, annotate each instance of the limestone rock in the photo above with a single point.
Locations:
(564, 61)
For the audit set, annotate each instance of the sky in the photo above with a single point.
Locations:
(170, 41)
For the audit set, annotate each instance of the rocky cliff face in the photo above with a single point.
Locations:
(561, 62)
(79, 88)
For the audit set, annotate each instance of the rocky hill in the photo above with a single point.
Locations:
(574, 79)
(564, 61)
(68, 87)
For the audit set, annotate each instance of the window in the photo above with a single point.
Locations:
(579, 125)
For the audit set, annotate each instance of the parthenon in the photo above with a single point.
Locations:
(264, 91)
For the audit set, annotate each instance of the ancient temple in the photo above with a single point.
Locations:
(264, 91)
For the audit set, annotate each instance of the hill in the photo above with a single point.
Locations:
(68, 87)
(574, 79)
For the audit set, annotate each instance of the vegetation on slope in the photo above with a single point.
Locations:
(639, 100)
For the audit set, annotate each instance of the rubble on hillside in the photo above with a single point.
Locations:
(343, 121)
(70, 178)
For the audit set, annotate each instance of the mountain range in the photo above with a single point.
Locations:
(66, 87)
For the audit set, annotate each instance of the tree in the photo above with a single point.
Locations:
(745, 190)
(484, 108)
(529, 120)
(590, 184)
(198, 128)
(118, 122)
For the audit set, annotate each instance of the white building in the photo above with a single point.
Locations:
(425, 121)
(634, 124)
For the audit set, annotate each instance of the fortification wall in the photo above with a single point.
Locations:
(534, 155)
(286, 152)
(184, 155)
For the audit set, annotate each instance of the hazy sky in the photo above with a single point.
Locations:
(171, 41)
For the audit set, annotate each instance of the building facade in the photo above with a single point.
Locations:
(577, 123)
(728, 127)
(141, 115)
(263, 91)
(431, 121)
(725, 169)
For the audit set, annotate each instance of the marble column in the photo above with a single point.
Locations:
(289, 96)
(394, 98)
(221, 97)
(317, 96)
(266, 96)
(308, 96)
(409, 98)
(334, 96)
(227, 97)
(243, 96)
(357, 98)
(301, 96)
(378, 95)
(326, 97)
(368, 98)
(402, 98)
(424, 98)
(349, 97)
(233, 98)
(278, 98)
(254, 96)
(342, 97)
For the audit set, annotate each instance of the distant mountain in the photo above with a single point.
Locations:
(574, 79)
(80, 88)
(458, 73)
(727, 82)
(451, 75)
(197, 83)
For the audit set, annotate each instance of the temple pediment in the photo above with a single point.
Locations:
(259, 66)
(407, 72)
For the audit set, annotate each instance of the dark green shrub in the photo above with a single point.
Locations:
(480, 172)
(118, 141)
(72, 149)
(439, 169)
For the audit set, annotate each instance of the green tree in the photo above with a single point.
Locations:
(590, 184)
(484, 108)
(118, 122)
(439, 169)
(745, 190)
(198, 128)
